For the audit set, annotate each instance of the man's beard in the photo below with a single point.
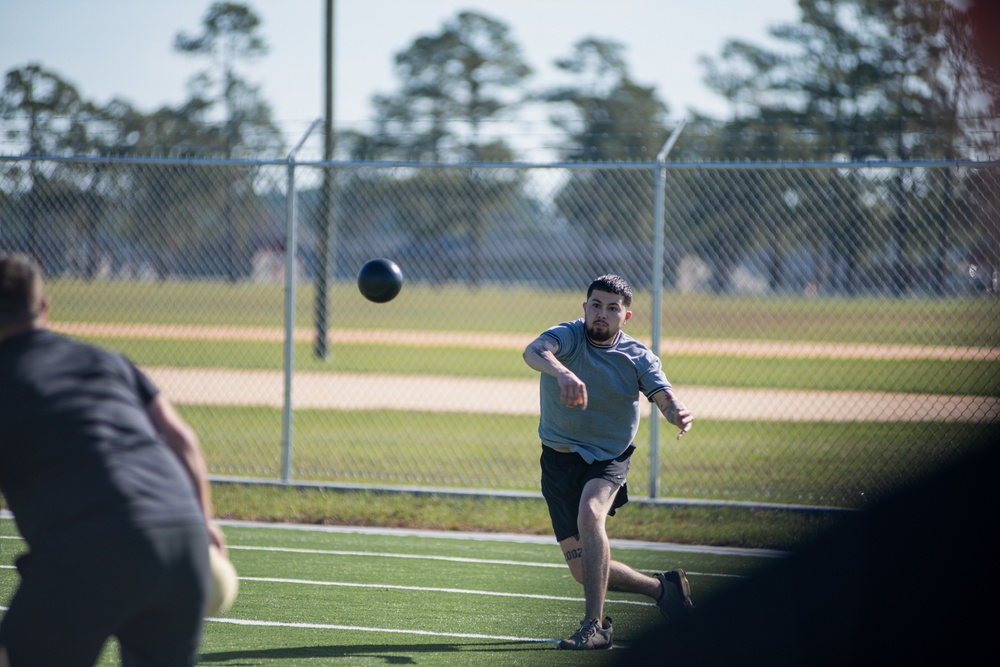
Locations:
(599, 337)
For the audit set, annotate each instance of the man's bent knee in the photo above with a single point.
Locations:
(596, 501)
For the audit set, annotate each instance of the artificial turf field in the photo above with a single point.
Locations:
(356, 596)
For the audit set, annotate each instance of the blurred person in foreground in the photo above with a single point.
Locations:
(108, 486)
(592, 374)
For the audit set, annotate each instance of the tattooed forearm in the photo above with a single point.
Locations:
(537, 348)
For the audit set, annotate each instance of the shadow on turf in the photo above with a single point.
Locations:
(394, 654)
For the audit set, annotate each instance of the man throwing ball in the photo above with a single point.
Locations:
(109, 489)
(592, 374)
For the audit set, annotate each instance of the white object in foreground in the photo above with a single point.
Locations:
(225, 584)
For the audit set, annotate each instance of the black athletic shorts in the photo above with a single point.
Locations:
(564, 475)
(147, 587)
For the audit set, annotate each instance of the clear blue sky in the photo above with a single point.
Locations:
(124, 47)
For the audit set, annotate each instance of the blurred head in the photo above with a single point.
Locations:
(22, 294)
(606, 308)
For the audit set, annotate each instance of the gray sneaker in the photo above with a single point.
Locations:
(675, 601)
(592, 634)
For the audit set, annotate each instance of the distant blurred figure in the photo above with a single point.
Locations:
(108, 486)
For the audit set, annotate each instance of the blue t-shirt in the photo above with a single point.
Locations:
(615, 374)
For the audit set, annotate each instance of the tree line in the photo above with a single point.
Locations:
(850, 80)
(854, 79)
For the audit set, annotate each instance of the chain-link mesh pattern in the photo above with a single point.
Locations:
(832, 326)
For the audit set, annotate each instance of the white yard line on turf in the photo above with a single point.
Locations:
(428, 589)
(425, 633)
(354, 628)
(455, 535)
(450, 559)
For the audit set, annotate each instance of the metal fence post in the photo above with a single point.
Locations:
(290, 246)
(660, 185)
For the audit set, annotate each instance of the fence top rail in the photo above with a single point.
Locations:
(399, 164)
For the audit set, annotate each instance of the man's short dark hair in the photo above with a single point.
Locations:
(612, 284)
(21, 289)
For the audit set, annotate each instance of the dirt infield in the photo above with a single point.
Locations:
(354, 391)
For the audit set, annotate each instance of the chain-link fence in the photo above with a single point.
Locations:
(832, 326)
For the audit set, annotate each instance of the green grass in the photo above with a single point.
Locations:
(724, 526)
(359, 584)
(819, 463)
(954, 321)
(908, 376)
(717, 526)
